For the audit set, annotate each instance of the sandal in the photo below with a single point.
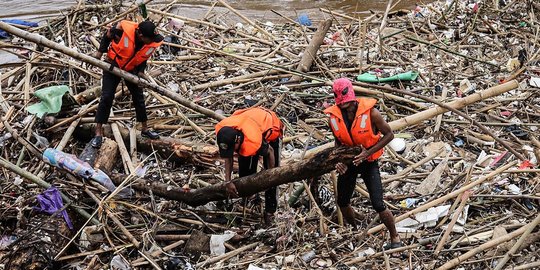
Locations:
(96, 141)
(392, 245)
(150, 134)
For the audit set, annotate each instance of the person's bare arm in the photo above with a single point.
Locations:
(385, 129)
(340, 167)
(229, 186)
(271, 157)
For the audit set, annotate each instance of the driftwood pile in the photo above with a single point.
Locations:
(464, 189)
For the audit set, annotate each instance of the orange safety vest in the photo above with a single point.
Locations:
(361, 130)
(254, 123)
(124, 52)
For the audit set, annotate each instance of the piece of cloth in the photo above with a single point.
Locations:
(51, 100)
(248, 166)
(373, 78)
(108, 87)
(343, 91)
(50, 201)
(304, 20)
(369, 171)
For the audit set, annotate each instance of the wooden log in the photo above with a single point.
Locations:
(87, 95)
(434, 111)
(106, 66)
(311, 50)
(322, 163)
(106, 158)
(176, 150)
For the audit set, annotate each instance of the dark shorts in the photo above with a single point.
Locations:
(369, 171)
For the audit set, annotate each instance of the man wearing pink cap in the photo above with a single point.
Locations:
(356, 122)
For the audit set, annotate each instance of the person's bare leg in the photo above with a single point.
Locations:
(99, 129)
(144, 126)
(389, 221)
(349, 215)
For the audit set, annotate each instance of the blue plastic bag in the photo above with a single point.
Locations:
(304, 20)
(4, 34)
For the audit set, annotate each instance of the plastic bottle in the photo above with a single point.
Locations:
(142, 8)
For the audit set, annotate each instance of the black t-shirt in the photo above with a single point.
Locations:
(348, 122)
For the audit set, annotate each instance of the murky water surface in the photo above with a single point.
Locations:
(36, 9)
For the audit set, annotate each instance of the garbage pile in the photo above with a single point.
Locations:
(457, 81)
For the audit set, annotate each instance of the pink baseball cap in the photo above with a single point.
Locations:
(343, 91)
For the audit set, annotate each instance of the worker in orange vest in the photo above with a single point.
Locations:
(128, 45)
(356, 122)
(251, 133)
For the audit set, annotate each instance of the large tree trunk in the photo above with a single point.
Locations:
(320, 164)
(177, 150)
(313, 47)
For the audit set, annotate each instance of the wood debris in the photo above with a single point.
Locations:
(464, 190)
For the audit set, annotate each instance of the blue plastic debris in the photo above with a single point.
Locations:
(4, 34)
(304, 20)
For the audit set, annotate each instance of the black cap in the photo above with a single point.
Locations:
(148, 29)
(226, 139)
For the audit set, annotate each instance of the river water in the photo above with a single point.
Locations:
(260, 9)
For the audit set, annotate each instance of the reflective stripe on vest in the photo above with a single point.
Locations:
(361, 132)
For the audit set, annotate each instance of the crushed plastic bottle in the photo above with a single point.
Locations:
(4, 138)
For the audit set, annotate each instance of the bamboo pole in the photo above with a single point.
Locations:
(464, 199)
(124, 153)
(434, 111)
(517, 245)
(334, 184)
(107, 67)
(447, 196)
(67, 135)
(133, 145)
(414, 166)
(222, 28)
(226, 256)
(487, 245)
